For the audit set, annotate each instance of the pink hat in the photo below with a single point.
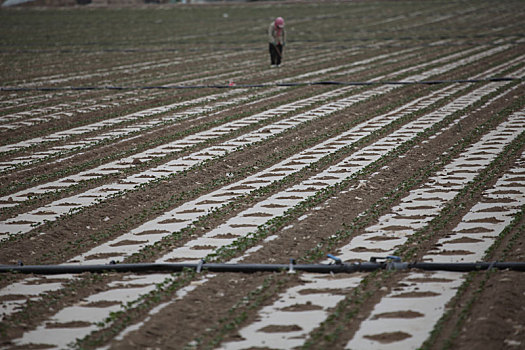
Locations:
(279, 22)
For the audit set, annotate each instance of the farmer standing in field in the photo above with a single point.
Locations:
(277, 38)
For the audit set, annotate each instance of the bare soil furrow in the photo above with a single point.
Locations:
(115, 121)
(298, 193)
(86, 128)
(271, 315)
(111, 133)
(452, 248)
(394, 226)
(26, 223)
(290, 298)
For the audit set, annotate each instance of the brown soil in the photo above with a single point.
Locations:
(215, 311)
(490, 314)
(386, 338)
(330, 218)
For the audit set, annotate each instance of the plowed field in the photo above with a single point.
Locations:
(160, 134)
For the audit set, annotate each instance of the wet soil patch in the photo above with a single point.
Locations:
(386, 338)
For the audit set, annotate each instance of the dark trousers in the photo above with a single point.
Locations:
(276, 52)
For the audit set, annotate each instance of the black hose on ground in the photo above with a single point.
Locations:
(390, 263)
(466, 267)
(261, 85)
(175, 267)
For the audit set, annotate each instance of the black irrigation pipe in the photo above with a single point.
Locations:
(256, 43)
(227, 46)
(384, 263)
(244, 86)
